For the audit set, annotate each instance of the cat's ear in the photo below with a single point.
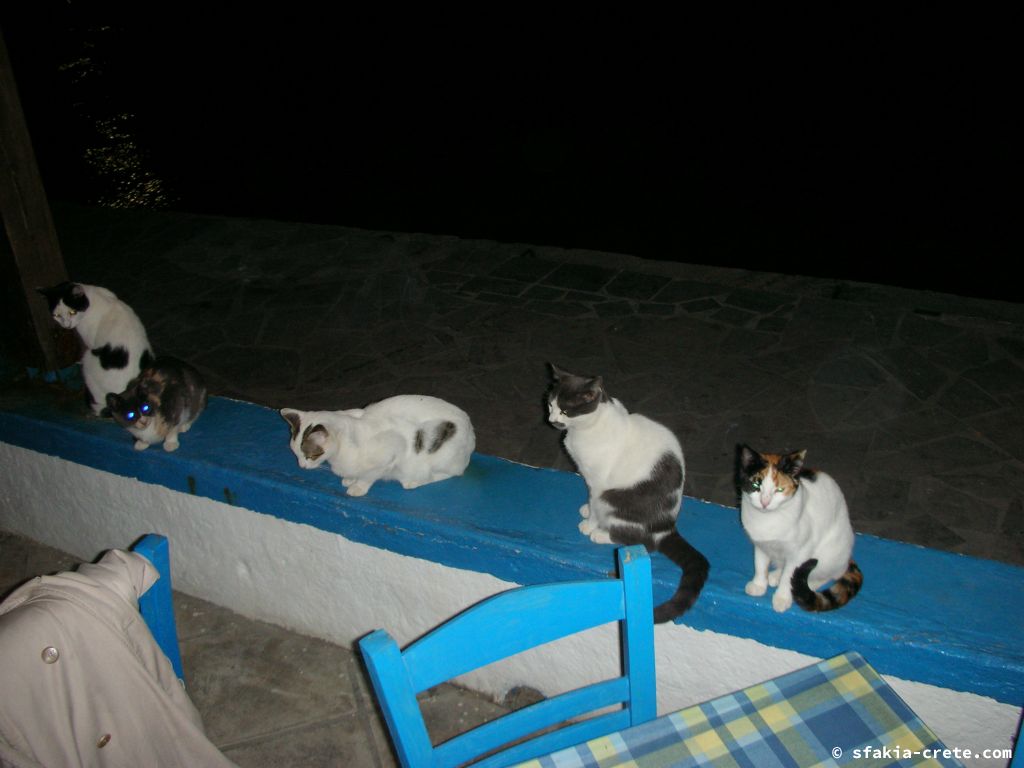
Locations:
(793, 462)
(294, 419)
(113, 401)
(748, 460)
(594, 390)
(53, 294)
(57, 290)
(557, 372)
(318, 435)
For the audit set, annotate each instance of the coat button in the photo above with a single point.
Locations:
(103, 741)
(50, 654)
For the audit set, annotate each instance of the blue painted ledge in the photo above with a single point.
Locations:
(935, 617)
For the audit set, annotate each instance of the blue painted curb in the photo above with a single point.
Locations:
(925, 615)
(70, 377)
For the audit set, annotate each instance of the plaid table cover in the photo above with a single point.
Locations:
(835, 713)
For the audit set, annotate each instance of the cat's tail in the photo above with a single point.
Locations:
(840, 593)
(695, 572)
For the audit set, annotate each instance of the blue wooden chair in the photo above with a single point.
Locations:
(1018, 747)
(157, 605)
(502, 626)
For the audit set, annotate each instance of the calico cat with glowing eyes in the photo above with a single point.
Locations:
(160, 404)
(798, 522)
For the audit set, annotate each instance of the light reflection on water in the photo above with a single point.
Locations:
(118, 161)
(112, 154)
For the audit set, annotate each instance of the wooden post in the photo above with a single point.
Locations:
(31, 256)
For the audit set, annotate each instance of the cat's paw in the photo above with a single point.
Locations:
(171, 446)
(587, 526)
(755, 588)
(585, 510)
(410, 484)
(774, 576)
(781, 601)
(141, 445)
(600, 536)
(358, 488)
(347, 481)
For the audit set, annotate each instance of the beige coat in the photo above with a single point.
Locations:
(83, 683)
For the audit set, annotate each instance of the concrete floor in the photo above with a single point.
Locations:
(268, 697)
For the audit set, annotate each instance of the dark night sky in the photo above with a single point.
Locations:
(870, 148)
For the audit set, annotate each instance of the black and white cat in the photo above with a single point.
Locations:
(414, 439)
(634, 470)
(799, 523)
(160, 404)
(116, 345)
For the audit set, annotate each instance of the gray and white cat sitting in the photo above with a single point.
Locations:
(634, 470)
(414, 439)
(116, 345)
(799, 523)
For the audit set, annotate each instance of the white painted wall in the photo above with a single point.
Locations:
(321, 584)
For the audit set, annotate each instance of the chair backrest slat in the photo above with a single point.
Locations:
(512, 622)
(532, 719)
(505, 625)
(571, 735)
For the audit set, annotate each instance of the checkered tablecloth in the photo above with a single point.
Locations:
(837, 712)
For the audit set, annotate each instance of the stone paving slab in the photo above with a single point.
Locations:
(913, 400)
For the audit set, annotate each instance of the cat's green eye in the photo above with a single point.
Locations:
(779, 488)
(756, 485)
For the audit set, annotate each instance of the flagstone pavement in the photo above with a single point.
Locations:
(912, 400)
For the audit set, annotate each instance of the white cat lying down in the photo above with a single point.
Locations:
(414, 439)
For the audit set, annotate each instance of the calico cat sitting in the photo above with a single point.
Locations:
(634, 470)
(116, 345)
(160, 404)
(798, 521)
(414, 439)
